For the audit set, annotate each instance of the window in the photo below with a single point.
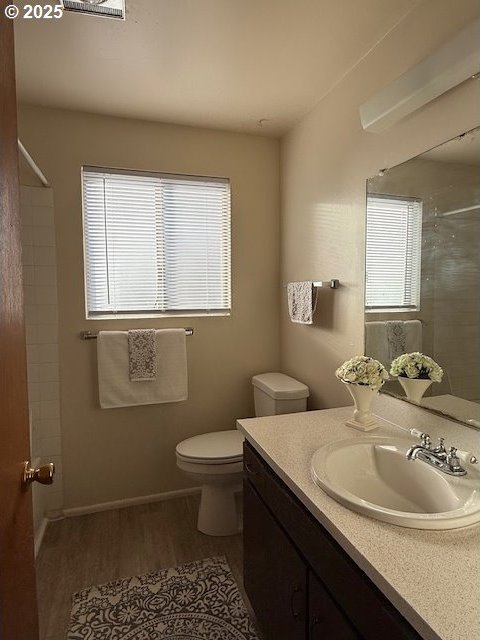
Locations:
(393, 255)
(155, 243)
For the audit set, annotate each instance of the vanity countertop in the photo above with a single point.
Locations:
(432, 577)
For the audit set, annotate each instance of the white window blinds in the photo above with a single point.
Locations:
(155, 243)
(393, 254)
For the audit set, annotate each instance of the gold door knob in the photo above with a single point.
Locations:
(43, 474)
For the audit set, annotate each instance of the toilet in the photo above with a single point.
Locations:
(215, 460)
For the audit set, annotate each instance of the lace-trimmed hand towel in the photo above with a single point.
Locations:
(396, 339)
(142, 354)
(302, 300)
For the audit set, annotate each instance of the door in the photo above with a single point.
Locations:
(18, 607)
(275, 576)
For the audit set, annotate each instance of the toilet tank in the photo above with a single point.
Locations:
(276, 393)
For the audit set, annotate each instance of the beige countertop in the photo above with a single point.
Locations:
(432, 577)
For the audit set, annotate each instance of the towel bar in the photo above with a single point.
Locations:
(92, 335)
(331, 284)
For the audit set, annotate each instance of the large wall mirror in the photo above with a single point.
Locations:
(423, 271)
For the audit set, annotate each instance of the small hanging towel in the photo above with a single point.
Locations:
(142, 354)
(413, 332)
(302, 300)
(396, 339)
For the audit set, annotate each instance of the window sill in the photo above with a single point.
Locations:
(162, 316)
(396, 310)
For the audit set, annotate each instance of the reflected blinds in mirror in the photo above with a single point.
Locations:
(393, 252)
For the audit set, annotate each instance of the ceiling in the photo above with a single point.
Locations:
(246, 65)
(464, 149)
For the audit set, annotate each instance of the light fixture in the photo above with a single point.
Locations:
(453, 63)
(103, 8)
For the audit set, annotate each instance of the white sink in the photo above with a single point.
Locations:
(372, 475)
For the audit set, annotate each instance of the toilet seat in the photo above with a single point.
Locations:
(217, 448)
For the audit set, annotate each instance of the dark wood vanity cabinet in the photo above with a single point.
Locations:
(300, 582)
(326, 621)
(276, 579)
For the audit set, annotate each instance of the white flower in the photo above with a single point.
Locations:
(416, 365)
(363, 370)
(411, 370)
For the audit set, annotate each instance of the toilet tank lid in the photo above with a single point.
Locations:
(280, 386)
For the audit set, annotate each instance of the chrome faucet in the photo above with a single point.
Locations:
(413, 452)
(439, 457)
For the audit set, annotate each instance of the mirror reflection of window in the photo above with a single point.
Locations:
(442, 320)
(393, 253)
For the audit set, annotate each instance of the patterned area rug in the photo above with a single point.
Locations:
(196, 601)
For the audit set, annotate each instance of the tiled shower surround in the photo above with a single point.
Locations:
(41, 324)
(450, 275)
(457, 304)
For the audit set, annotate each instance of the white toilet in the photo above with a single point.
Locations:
(215, 460)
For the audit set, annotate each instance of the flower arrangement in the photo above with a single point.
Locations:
(416, 365)
(364, 371)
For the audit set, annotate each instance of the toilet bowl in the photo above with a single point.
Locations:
(215, 460)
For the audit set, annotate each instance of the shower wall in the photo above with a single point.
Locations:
(457, 303)
(451, 274)
(41, 324)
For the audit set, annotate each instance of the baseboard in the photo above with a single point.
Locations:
(130, 502)
(39, 535)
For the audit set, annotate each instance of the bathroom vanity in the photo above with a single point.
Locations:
(315, 569)
(299, 580)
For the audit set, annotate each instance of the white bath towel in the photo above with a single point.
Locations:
(302, 300)
(413, 335)
(376, 343)
(114, 384)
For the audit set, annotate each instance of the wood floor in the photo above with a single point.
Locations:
(92, 549)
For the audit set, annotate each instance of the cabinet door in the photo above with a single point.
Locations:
(326, 621)
(275, 576)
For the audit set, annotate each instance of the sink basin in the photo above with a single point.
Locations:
(372, 475)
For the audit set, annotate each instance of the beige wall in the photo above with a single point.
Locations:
(325, 161)
(123, 453)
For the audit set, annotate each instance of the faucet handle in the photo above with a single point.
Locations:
(452, 458)
(424, 437)
(440, 448)
(426, 440)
